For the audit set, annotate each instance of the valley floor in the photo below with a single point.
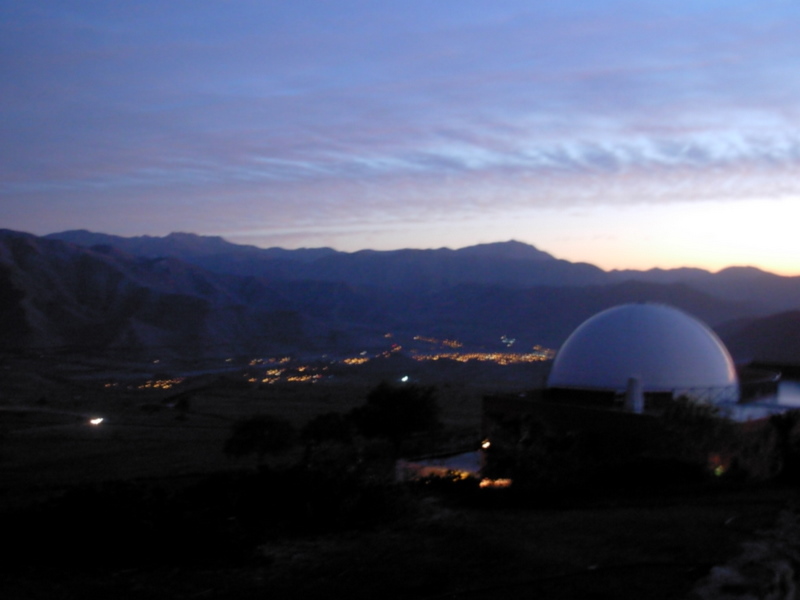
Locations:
(654, 547)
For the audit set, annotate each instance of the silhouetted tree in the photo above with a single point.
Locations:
(787, 431)
(328, 427)
(393, 412)
(260, 435)
(699, 434)
(182, 404)
(695, 430)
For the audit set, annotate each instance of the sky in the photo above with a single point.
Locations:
(627, 134)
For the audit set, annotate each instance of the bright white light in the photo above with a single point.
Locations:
(486, 444)
(96, 421)
(404, 378)
(508, 341)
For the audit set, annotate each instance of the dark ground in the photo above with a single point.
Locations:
(654, 550)
(417, 543)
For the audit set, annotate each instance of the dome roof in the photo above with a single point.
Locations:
(663, 347)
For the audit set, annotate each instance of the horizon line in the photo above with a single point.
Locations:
(713, 271)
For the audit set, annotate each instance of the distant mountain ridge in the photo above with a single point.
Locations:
(511, 263)
(196, 295)
(182, 244)
(178, 244)
(505, 263)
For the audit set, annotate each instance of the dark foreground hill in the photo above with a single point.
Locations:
(772, 340)
(192, 295)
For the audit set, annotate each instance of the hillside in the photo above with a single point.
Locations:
(204, 296)
(772, 340)
(509, 264)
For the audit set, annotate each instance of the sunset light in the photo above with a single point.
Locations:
(619, 134)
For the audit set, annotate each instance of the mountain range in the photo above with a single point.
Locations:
(186, 294)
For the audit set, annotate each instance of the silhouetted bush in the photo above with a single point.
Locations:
(689, 444)
(219, 520)
(260, 435)
(697, 434)
(787, 430)
(394, 412)
(328, 427)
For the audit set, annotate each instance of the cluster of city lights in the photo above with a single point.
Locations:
(257, 362)
(288, 379)
(357, 360)
(160, 384)
(150, 384)
(500, 358)
(309, 373)
(548, 353)
(387, 353)
(299, 374)
(495, 483)
(304, 378)
(284, 369)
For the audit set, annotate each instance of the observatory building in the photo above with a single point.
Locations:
(619, 382)
(639, 356)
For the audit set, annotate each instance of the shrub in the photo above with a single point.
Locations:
(260, 435)
(328, 427)
(394, 412)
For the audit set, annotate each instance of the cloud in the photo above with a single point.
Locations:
(309, 113)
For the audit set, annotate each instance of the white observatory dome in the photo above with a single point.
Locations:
(664, 348)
